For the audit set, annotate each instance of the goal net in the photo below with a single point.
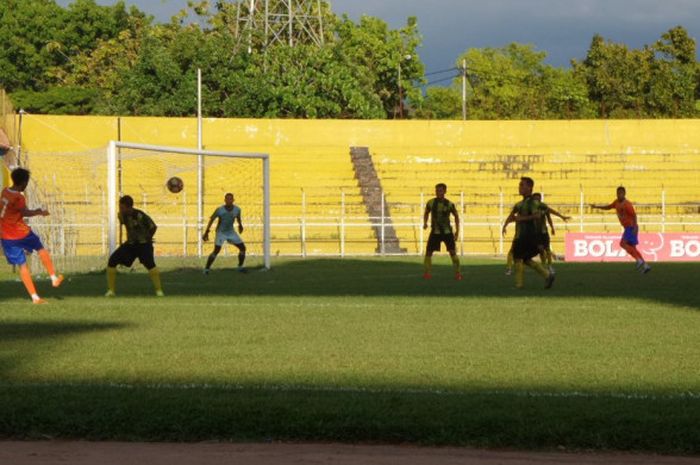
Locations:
(81, 192)
(142, 172)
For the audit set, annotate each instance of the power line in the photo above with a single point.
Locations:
(449, 78)
(514, 80)
(442, 71)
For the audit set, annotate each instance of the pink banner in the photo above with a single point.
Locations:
(655, 247)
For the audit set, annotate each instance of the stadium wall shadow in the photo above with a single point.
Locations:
(508, 418)
(670, 284)
(39, 333)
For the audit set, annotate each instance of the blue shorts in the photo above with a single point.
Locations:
(630, 236)
(14, 248)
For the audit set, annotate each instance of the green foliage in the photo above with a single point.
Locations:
(124, 64)
(384, 54)
(441, 103)
(297, 82)
(304, 82)
(40, 39)
(57, 100)
(513, 82)
(157, 84)
(653, 82)
(26, 27)
(149, 70)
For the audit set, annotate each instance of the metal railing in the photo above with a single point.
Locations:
(349, 234)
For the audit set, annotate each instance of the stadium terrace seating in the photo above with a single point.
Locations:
(475, 184)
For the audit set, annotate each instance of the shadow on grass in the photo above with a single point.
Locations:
(668, 283)
(15, 335)
(503, 419)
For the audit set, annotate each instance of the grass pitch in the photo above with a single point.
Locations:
(360, 351)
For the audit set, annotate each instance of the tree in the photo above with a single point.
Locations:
(657, 81)
(157, 84)
(673, 82)
(26, 27)
(513, 82)
(57, 100)
(44, 45)
(302, 82)
(441, 103)
(381, 52)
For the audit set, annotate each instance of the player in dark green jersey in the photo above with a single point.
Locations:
(526, 245)
(546, 255)
(439, 210)
(509, 258)
(140, 229)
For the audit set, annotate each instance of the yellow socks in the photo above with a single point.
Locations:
(539, 268)
(550, 257)
(153, 273)
(455, 263)
(519, 274)
(155, 278)
(111, 279)
(428, 265)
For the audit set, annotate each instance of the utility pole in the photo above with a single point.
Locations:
(464, 90)
(403, 58)
(400, 94)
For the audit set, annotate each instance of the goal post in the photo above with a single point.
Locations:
(142, 170)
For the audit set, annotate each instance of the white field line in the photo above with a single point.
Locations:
(689, 395)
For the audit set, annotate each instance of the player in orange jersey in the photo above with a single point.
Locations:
(628, 220)
(16, 236)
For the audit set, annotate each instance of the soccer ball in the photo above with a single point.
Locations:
(175, 184)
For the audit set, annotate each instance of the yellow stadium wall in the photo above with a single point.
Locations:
(329, 141)
(68, 133)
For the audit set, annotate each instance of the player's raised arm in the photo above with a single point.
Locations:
(556, 213)
(602, 207)
(27, 213)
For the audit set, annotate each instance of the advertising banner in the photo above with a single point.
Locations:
(654, 247)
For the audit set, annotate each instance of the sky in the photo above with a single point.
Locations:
(562, 28)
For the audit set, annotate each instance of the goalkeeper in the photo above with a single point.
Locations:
(226, 214)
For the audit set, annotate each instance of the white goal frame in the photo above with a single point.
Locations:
(112, 188)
